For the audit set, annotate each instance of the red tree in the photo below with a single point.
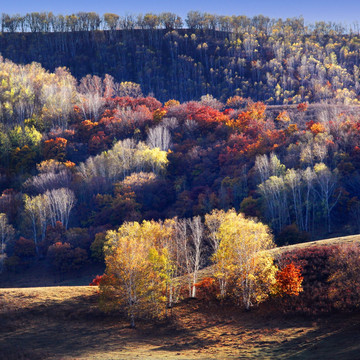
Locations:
(289, 280)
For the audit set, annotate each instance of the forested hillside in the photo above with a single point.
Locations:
(80, 158)
(153, 125)
(272, 60)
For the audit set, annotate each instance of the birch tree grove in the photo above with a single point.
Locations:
(60, 203)
(126, 261)
(275, 194)
(296, 195)
(139, 269)
(185, 250)
(213, 222)
(293, 180)
(146, 262)
(54, 205)
(31, 210)
(125, 157)
(159, 137)
(240, 259)
(327, 181)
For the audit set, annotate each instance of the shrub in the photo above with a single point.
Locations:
(78, 237)
(207, 289)
(24, 248)
(63, 258)
(96, 280)
(292, 235)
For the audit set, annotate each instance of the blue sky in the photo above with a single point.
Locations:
(346, 11)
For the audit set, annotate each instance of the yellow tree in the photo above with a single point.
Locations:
(138, 268)
(241, 259)
(165, 255)
(213, 222)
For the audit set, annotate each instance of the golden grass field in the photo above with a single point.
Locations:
(65, 323)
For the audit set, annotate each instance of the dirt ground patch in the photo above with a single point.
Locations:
(65, 323)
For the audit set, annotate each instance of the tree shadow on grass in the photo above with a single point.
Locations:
(76, 327)
(72, 328)
(335, 337)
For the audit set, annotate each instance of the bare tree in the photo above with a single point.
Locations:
(327, 182)
(309, 177)
(91, 99)
(209, 100)
(159, 137)
(267, 166)
(43, 213)
(171, 123)
(274, 193)
(196, 258)
(61, 202)
(124, 158)
(184, 249)
(49, 181)
(213, 222)
(294, 181)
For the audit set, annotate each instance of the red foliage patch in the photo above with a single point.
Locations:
(96, 280)
(206, 289)
(289, 280)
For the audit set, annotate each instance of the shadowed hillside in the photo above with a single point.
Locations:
(282, 63)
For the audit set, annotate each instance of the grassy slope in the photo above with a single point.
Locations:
(333, 241)
(277, 251)
(65, 323)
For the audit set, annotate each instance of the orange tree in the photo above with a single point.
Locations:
(289, 280)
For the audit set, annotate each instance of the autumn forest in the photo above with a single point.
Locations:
(177, 154)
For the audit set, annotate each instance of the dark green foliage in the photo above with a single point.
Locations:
(292, 235)
(97, 247)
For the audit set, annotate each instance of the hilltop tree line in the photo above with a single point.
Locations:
(91, 21)
(272, 60)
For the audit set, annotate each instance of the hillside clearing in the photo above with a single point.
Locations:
(326, 242)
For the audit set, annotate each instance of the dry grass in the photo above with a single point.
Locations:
(65, 323)
(333, 241)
